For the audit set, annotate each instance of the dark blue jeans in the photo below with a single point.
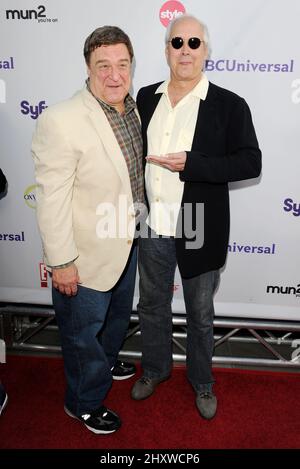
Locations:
(157, 264)
(93, 326)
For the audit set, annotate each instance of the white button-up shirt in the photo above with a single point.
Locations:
(170, 130)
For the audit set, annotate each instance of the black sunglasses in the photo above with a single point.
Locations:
(193, 42)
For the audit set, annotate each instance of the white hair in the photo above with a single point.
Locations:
(188, 16)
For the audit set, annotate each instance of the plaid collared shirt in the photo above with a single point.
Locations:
(127, 130)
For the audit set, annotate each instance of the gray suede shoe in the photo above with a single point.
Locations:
(206, 403)
(144, 387)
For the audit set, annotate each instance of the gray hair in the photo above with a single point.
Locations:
(187, 16)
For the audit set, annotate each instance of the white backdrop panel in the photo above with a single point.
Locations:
(41, 63)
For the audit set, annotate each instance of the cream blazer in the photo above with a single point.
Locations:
(79, 167)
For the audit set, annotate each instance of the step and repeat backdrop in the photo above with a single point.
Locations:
(255, 53)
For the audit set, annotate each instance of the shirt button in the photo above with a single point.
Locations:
(129, 241)
(157, 199)
(156, 179)
(167, 134)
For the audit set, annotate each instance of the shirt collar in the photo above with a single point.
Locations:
(199, 91)
(129, 102)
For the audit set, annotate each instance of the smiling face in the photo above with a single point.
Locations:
(186, 64)
(109, 70)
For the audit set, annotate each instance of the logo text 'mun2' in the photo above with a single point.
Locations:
(26, 14)
(284, 290)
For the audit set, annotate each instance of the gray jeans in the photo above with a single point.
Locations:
(157, 264)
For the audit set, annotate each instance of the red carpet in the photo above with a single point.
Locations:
(256, 410)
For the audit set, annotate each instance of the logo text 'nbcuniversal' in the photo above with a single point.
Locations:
(7, 63)
(247, 249)
(233, 65)
(13, 236)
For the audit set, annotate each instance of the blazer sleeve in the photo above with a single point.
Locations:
(242, 156)
(55, 168)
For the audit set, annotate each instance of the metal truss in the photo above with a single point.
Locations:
(265, 343)
(279, 340)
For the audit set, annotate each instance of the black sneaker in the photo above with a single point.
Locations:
(101, 420)
(123, 370)
(3, 398)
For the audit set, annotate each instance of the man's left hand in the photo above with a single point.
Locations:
(172, 161)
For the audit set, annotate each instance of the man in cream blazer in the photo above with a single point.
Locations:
(88, 160)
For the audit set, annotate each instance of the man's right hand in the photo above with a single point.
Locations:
(66, 280)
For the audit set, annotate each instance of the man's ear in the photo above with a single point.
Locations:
(206, 53)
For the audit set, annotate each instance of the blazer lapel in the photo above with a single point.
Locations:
(103, 129)
(150, 108)
(146, 114)
(206, 121)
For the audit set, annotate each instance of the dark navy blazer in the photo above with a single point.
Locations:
(224, 149)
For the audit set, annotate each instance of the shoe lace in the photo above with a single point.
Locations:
(145, 380)
(101, 412)
(206, 395)
(116, 365)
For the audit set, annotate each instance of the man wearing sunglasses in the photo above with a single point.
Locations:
(198, 137)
